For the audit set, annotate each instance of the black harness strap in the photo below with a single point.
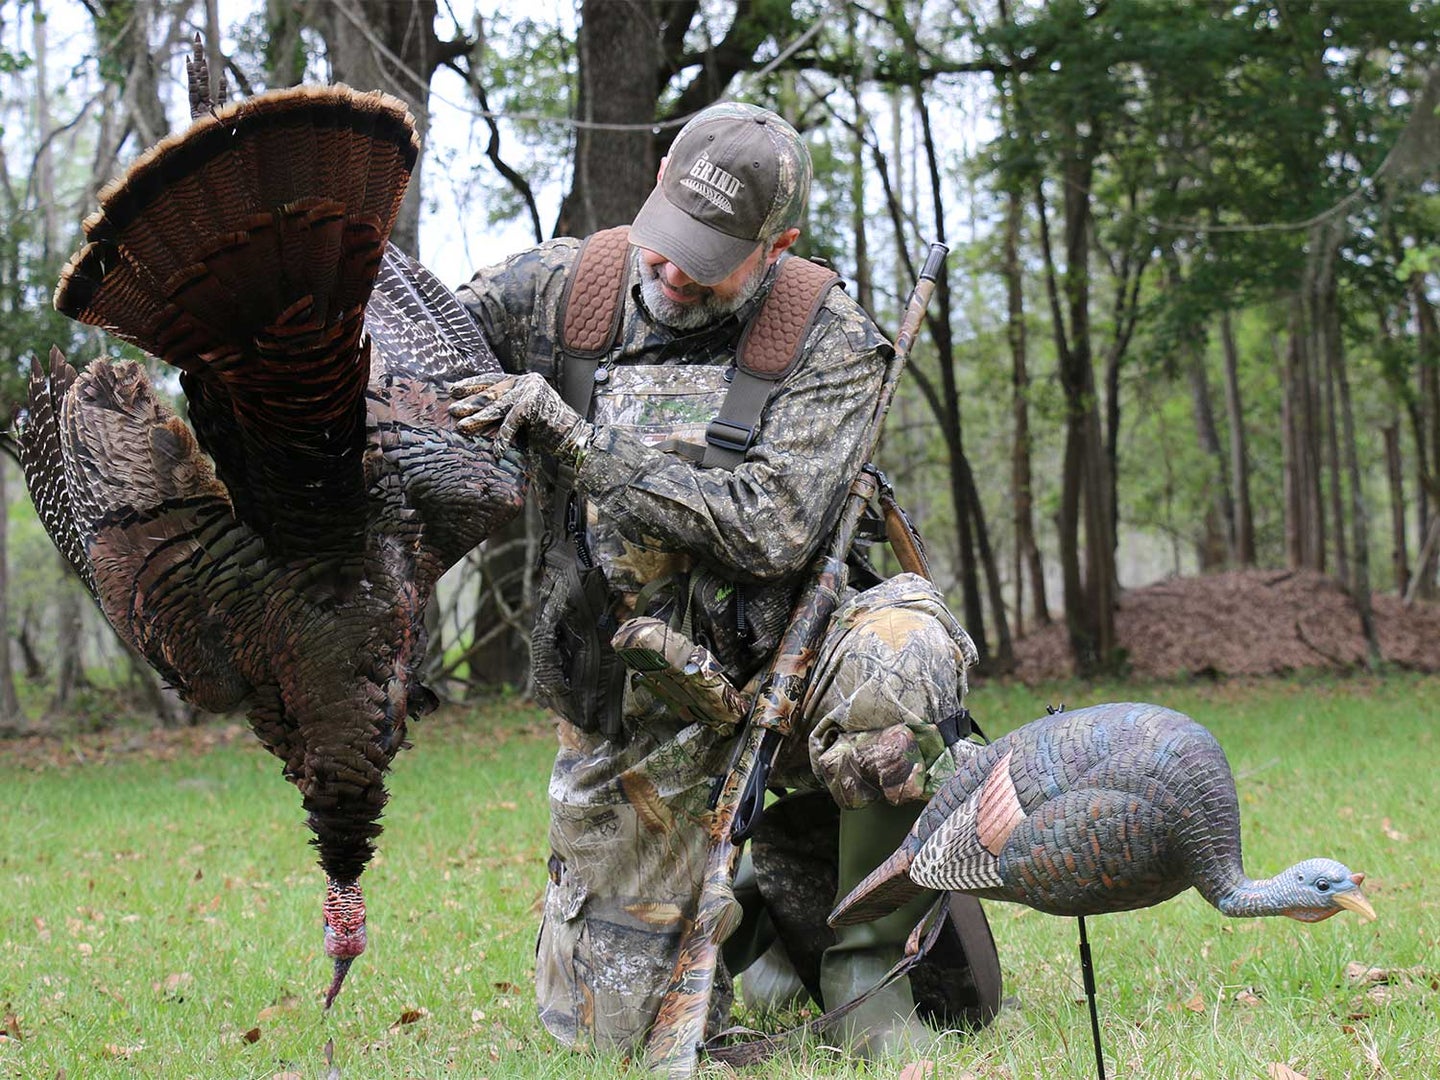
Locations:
(769, 349)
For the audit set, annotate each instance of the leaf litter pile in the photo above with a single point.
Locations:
(1245, 623)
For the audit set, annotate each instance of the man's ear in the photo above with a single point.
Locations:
(783, 241)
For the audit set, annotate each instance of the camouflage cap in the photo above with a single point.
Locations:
(736, 174)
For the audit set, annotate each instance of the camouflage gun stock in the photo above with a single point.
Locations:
(673, 1044)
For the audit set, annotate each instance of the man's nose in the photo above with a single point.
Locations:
(675, 277)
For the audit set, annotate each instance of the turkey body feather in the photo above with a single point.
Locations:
(277, 553)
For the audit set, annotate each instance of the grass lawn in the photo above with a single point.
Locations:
(160, 913)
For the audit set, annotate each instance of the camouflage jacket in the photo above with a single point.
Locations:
(750, 533)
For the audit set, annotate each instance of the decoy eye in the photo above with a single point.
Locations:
(1323, 885)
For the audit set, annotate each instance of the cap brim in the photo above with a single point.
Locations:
(705, 254)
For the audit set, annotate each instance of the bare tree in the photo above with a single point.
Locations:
(1243, 549)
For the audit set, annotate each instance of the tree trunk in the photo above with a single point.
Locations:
(1304, 518)
(864, 283)
(1027, 551)
(1216, 539)
(35, 670)
(1094, 645)
(1395, 472)
(1427, 435)
(1219, 533)
(69, 668)
(11, 716)
(619, 47)
(1243, 553)
(380, 45)
(284, 47)
(1355, 573)
(1323, 350)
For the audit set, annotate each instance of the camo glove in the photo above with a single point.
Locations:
(501, 409)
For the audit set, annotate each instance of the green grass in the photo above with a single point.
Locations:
(159, 911)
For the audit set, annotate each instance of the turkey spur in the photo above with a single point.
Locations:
(1109, 808)
(290, 578)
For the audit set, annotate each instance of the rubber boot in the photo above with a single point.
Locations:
(886, 1023)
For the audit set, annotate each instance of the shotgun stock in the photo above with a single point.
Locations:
(673, 1044)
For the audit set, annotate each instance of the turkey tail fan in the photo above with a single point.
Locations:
(243, 251)
(294, 159)
(885, 889)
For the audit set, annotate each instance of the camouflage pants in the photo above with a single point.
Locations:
(625, 833)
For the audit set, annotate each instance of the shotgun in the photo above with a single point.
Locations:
(673, 1044)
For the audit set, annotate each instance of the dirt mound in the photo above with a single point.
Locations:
(1245, 622)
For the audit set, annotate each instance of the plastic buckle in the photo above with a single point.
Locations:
(737, 438)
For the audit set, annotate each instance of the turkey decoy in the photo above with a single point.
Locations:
(1109, 808)
(291, 578)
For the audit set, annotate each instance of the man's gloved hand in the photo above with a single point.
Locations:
(502, 408)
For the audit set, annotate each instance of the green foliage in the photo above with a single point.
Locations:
(12, 63)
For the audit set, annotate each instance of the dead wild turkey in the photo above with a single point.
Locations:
(1109, 808)
(291, 579)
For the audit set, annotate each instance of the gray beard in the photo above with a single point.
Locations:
(702, 312)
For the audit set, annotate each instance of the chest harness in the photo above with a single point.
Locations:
(591, 310)
(769, 349)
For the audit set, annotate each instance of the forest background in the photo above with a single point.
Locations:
(1188, 324)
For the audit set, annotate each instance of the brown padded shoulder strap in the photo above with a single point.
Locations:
(770, 346)
(594, 294)
(769, 349)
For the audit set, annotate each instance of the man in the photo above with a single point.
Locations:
(651, 512)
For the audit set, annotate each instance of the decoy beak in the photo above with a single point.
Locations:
(1356, 902)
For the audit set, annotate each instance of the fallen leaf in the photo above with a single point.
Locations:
(1279, 1071)
(507, 988)
(12, 1027)
(1248, 997)
(285, 1004)
(1368, 975)
(1358, 972)
(288, 1076)
(174, 981)
(1196, 1004)
(918, 1070)
(251, 1036)
(409, 1016)
(115, 1051)
(1392, 833)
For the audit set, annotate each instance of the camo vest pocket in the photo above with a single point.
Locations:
(665, 406)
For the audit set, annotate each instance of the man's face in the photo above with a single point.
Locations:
(682, 303)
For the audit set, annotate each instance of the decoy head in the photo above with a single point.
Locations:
(1318, 888)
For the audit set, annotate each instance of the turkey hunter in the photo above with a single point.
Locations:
(695, 400)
